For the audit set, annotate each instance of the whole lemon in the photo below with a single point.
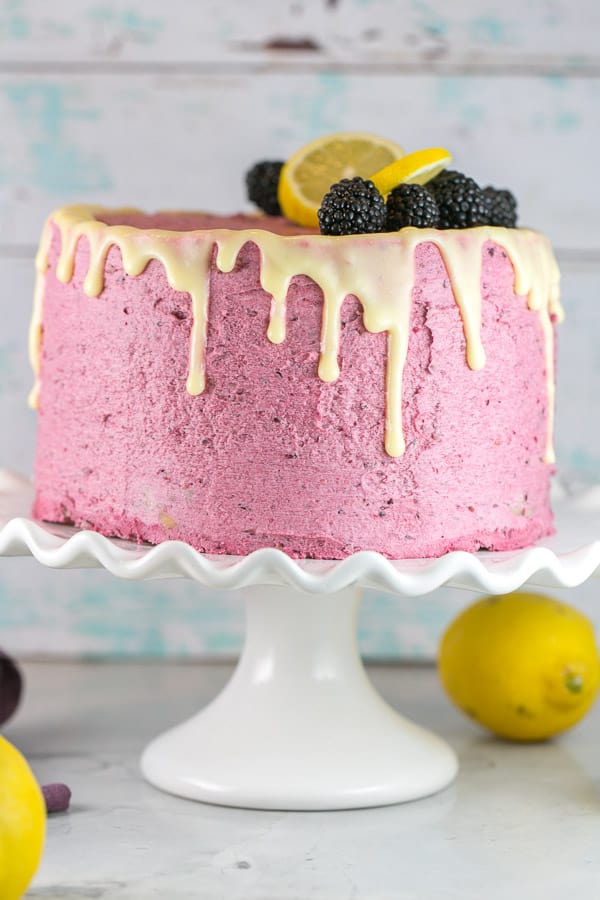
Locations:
(524, 665)
(22, 823)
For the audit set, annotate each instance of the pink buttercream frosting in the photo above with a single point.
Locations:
(269, 454)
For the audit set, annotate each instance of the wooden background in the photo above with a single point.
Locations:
(160, 104)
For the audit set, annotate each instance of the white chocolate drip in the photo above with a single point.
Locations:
(377, 269)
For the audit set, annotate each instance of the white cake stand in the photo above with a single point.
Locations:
(299, 725)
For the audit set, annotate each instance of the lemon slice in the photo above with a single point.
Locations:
(309, 173)
(415, 168)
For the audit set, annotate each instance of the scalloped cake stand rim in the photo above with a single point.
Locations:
(566, 559)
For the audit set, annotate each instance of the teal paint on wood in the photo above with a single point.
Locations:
(492, 30)
(16, 610)
(557, 81)
(430, 19)
(457, 95)
(583, 460)
(17, 27)
(14, 24)
(567, 120)
(128, 24)
(327, 106)
(449, 92)
(473, 115)
(321, 110)
(552, 15)
(59, 29)
(45, 110)
(61, 170)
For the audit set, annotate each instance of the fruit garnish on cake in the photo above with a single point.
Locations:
(411, 190)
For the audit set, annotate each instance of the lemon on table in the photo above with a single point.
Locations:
(524, 665)
(22, 823)
(414, 168)
(309, 172)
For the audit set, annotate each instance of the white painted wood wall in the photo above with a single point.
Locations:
(157, 104)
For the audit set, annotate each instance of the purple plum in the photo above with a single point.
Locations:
(11, 687)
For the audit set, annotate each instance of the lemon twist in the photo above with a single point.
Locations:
(414, 168)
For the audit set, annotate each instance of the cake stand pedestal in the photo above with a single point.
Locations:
(299, 725)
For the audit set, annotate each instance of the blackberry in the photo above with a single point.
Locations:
(461, 202)
(352, 206)
(503, 207)
(411, 204)
(440, 177)
(262, 181)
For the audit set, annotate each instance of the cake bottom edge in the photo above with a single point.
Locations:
(498, 539)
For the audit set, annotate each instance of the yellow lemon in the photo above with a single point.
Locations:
(309, 173)
(524, 665)
(22, 823)
(414, 168)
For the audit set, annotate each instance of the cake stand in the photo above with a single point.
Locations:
(299, 725)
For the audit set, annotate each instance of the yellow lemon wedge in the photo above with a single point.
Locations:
(310, 171)
(22, 823)
(414, 168)
(524, 665)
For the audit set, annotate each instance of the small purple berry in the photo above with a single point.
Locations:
(57, 797)
(11, 687)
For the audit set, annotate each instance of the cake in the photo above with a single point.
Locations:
(238, 382)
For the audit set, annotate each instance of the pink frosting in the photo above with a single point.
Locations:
(270, 455)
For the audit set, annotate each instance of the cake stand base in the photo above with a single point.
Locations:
(299, 725)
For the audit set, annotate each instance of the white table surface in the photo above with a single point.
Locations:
(519, 822)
